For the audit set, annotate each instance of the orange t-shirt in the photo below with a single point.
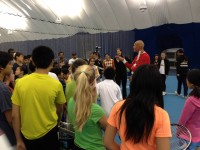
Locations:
(161, 128)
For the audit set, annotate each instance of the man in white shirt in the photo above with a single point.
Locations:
(73, 59)
(53, 75)
(108, 90)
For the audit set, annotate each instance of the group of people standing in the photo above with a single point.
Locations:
(182, 68)
(120, 63)
(139, 119)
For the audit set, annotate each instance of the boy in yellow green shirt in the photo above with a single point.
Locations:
(38, 105)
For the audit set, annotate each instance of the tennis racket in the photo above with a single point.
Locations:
(67, 128)
(181, 137)
(66, 135)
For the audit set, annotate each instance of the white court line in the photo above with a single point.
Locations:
(171, 93)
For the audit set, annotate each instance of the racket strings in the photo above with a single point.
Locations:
(181, 137)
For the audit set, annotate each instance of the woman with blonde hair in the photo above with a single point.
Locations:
(87, 117)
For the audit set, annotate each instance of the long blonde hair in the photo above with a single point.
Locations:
(83, 96)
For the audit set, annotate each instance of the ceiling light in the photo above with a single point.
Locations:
(12, 22)
(10, 32)
(143, 6)
(58, 20)
(71, 8)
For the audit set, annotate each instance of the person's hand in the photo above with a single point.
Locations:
(62, 63)
(120, 58)
(21, 146)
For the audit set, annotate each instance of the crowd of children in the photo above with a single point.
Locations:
(32, 102)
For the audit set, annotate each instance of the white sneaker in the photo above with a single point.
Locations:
(163, 93)
(177, 93)
(185, 97)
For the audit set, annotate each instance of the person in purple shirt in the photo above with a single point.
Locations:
(190, 117)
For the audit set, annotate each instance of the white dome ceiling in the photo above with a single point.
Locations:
(23, 20)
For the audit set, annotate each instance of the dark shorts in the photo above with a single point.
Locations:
(48, 141)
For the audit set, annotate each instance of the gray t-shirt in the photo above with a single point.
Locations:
(6, 104)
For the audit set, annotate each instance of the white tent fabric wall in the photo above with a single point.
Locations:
(96, 16)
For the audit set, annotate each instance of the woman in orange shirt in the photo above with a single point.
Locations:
(140, 120)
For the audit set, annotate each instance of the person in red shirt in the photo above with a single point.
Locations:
(141, 59)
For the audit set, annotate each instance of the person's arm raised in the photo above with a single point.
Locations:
(121, 58)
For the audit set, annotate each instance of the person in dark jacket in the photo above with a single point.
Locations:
(121, 73)
(182, 69)
(163, 65)
(98, 63)
(155, 60)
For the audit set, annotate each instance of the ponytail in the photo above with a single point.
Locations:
(83, 76)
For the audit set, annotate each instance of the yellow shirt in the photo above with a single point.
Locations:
(68, 79)
(37, 95)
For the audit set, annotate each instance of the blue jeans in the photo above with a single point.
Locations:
(193, 145)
